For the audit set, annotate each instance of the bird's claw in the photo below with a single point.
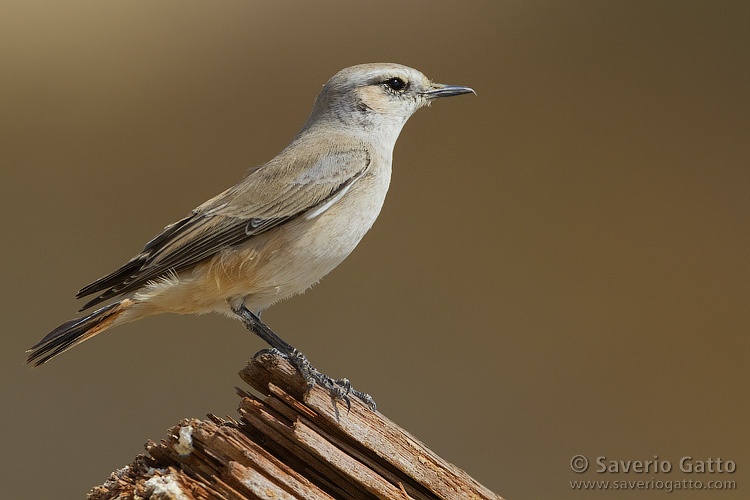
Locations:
(339, 389)
(365, 398)
(270, 350)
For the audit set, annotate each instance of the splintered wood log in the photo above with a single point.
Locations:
(294, 444)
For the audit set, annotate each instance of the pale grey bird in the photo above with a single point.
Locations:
(277, 232)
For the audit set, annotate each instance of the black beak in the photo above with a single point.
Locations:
(441, 90)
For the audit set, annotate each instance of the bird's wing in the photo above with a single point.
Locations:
(269, 196)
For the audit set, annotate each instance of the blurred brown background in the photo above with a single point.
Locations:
(561, 266)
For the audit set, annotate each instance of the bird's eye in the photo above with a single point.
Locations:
(396, 84)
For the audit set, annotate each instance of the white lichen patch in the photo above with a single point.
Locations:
(184, 444)
(164, 488)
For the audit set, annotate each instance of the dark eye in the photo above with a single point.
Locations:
(396, 84)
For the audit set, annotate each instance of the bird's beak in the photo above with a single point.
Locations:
(440, 90)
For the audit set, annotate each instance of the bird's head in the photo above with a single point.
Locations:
(377, 98)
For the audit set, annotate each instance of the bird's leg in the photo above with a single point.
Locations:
(338, 388)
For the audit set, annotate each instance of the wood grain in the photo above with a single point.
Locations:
(294, 444)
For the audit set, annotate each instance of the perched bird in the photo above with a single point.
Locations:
(278, 231)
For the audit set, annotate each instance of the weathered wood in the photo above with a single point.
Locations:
(291, 445)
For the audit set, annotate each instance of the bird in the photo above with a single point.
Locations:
(284, 226)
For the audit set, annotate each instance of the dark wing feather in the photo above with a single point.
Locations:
(133, 264)
(218, 224)
(198, 238)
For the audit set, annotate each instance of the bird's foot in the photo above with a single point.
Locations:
(339, 389)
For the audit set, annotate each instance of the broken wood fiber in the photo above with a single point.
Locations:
(290, 445)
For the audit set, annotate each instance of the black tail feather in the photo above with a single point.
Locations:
(74, 332)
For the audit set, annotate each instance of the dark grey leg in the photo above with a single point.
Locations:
(339, 389)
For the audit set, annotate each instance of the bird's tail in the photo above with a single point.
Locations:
(75, 331)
